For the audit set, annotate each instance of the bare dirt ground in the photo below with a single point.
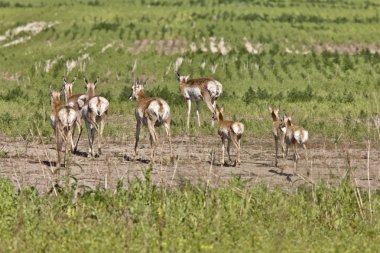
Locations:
(197, 161)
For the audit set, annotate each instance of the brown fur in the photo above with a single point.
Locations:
(150, 120)
(226, 131)
(278, 134)
(205, 95)
(63, 134)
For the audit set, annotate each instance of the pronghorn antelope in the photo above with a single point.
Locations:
(294, 135)
(62, 121)
(150, 112)
(278, 133)
(230, 130)
(94, 113)
(206, 89)
(76, 102)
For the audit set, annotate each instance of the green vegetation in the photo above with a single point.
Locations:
(295, 66)
(146, 218)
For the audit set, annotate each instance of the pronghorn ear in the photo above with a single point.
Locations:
(145, 82)
(64, 80)
(270, 109)
(187, 78)
(85, 80)
(97, 79)
(221, 110)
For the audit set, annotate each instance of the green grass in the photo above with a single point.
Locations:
(190, 218)
(330, 94)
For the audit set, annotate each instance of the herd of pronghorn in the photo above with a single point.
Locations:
(154, 111)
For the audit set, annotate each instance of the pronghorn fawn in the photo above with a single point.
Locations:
(206, 89)
(294, 135)
(277, 131)
(62, 120)
(230, 130)
(94, 113)
(150, 112)
(76, 102)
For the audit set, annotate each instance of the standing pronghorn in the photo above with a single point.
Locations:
(294, 135)
(94, 113)
(76, 102)
(278, 133)
(230, 130)
(150, 112)
(206, 89)
(62, 121)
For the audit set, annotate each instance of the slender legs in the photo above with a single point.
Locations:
(222, 161)
(188, 113)
(198, 108)
(137, 135)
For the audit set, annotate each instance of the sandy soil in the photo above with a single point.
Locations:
(197, 159)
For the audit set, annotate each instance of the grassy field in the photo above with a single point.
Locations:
(233, 218)
(319, 60)
(315, 59)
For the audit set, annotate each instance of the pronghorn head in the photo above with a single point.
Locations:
(137, 89)
(287, 120)
(90, 87)
(67, 88)
(55, 97)
(217, 114)
(274, 113)
(182, 79)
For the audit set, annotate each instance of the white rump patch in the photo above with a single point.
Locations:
(154, 107)
(238, 128)
(215, 88)
(301, 136)
(67, 117)
(99, 105)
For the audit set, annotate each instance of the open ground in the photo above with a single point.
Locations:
(197, 160)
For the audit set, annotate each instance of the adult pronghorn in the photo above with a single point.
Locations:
(94, 113)
(206, 89)
(294, 135)
(278, 133)
(150, 112)
(230, 130)
(62, 121)
(76, 102)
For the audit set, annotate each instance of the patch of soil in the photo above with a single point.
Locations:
(197, 160)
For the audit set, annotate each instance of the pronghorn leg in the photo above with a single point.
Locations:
(90, 129)
(237, 146)
(80, 129)
(101, 129)
(228, 149)
(282, 142)
(295, 159)
(59, 145)
(214, 106)
(167, 129)
(276, 150)
(198, 107)
(137, 136)
(153, 139)
(188, 113)
(222, 161)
